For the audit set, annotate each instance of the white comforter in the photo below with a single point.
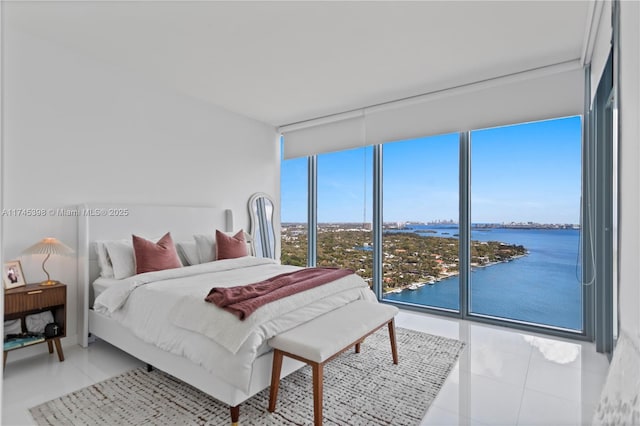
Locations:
(167, 309)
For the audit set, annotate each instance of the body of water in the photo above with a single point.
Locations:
(542, 287)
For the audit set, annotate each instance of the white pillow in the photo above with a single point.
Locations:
(188, 253)
(206, 247)
(106, 270)
(122, 259)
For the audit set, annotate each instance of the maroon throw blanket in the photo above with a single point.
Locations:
(243, 300)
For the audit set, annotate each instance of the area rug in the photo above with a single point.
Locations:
(359, 389)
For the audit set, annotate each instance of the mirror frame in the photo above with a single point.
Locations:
(258, 224)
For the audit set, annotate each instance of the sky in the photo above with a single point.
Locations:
(522, 173)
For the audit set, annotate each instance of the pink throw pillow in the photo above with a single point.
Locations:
(230, 247)
(152, 256)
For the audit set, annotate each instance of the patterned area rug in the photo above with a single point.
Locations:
(359, 389)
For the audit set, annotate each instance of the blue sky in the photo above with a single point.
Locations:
(527, 172)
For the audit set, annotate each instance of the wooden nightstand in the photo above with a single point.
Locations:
(33, 298)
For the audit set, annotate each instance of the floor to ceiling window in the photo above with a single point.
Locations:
(525, 216)
(293, 211)
(420, 222)
(521, 260)
(344, 210)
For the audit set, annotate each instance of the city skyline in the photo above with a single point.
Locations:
(523, 173)
(437, 222)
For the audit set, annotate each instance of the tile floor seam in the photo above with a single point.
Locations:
(542, 392)
(524, 386)
(549, 395)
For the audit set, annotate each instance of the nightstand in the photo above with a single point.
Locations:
(34, 298)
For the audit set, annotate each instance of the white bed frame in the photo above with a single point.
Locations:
(108, 222)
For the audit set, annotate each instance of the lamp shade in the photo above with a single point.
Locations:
(49, 246)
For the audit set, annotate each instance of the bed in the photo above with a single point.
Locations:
(162, 319)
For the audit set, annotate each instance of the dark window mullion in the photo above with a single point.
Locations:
(312, 212)
(464, 223)
(377, 221)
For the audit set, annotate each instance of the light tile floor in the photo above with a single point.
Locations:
(503, 377)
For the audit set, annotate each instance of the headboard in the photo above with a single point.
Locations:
(118, 221)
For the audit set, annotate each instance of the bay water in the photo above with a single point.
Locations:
(542, 287)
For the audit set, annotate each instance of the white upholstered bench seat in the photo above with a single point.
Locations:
(320, 340)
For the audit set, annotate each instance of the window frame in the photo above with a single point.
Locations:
(589, 328)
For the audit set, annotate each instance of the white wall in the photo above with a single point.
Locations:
(619, 401)
(629, 169)
(81, 131)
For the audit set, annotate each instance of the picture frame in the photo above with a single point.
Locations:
(12, 274)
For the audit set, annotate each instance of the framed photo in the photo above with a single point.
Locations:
(12, 274)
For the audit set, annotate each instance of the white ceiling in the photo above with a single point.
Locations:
(284, 62)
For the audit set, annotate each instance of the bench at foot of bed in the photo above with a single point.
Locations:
(322, 339)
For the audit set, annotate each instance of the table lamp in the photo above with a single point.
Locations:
(49, 246)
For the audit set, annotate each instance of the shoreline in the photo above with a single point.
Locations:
(397, 290)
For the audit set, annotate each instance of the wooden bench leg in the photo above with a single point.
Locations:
(235, 415)
(358, 347)
(275, 379)
(392, 338)
(50, 345)
(317, 393)
(59, 349)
